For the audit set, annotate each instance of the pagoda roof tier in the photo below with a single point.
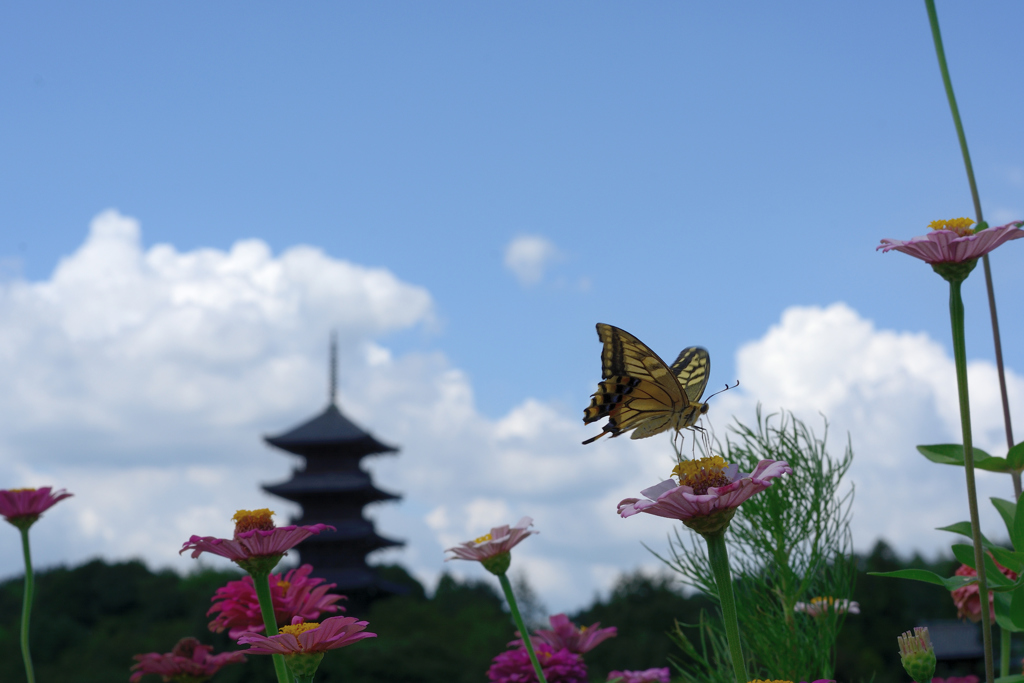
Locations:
(329, 430)
(349, 530)
(352, 579)
(304, 485)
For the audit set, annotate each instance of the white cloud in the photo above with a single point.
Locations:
(528, 257)
(141, 380)
(891, 392)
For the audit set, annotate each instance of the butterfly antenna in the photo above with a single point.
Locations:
(727, 388)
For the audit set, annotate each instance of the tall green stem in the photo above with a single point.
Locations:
(261, 582)
(514, 608)
(1004, 652)
(933, 20)
(26, 607)
(956, 319)
(719, 559)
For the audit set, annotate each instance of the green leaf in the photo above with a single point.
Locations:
(1007, 510)
(964, 554)
(1016, 456)
(1013, 678)
(1016, 612)
(1004, 611)
(1008, 558)
(953, 454)
(964, 529)
(1017, 530)
(952, 583)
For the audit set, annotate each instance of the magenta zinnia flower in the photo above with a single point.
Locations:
(22, 507)
(559, 666)
(566, 635)
(189, 660)
(308, 638)
(294, 595)
(501, 540)
(706, 486)
(953, 241)
(967, 600)
(256, 538)
(660, 675)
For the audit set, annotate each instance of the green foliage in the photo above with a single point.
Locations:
(789, 544)
(91, 619)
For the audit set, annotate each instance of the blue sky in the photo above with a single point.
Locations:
(695, 170)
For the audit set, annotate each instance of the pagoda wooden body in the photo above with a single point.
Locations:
(333, 488)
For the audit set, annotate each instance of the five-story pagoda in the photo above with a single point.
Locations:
(333, 488)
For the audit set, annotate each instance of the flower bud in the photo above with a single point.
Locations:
(917, 654)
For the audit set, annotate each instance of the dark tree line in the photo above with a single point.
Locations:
(89, 620)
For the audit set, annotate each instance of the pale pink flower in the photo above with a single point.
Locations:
(708, 486)
(566, 635)
(949, 246)
(819, 606)
(559, 666)
(189, 660)
(294, 594)
(25, 505)
(967, 600)
(307, 638)
(659, 675)
(501, 540)
(255, 537)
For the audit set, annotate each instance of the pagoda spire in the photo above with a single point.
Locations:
(332, 391)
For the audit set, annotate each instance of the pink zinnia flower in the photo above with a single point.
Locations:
(189, 660)
(501, 540)
(660, 675)
(953, 241)
(706, 486)
(566, 635)
(819, 606)
(958, 679)
(559, 666)
(22, 507)
(256, 537)
(966, 599)
(294, 595)
(308, 638)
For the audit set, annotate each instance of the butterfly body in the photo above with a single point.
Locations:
(641, 392)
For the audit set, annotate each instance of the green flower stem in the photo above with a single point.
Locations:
(719, 559)
(940, 52)
(261, 581)
(26, 607)
(956, 319)
(514, 608)
(1004, 652)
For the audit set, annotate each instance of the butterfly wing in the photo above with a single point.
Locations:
(639, 390)
(692, 368)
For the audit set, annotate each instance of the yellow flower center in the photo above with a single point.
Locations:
(296, 629)
(247, 520)
(823, 601)
(961, 226)
(20, 490)
(284, 586)
(702, 474)
(485, 537)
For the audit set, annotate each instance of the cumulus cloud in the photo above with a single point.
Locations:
(528, 257)
(142, 379)
(890, 391)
